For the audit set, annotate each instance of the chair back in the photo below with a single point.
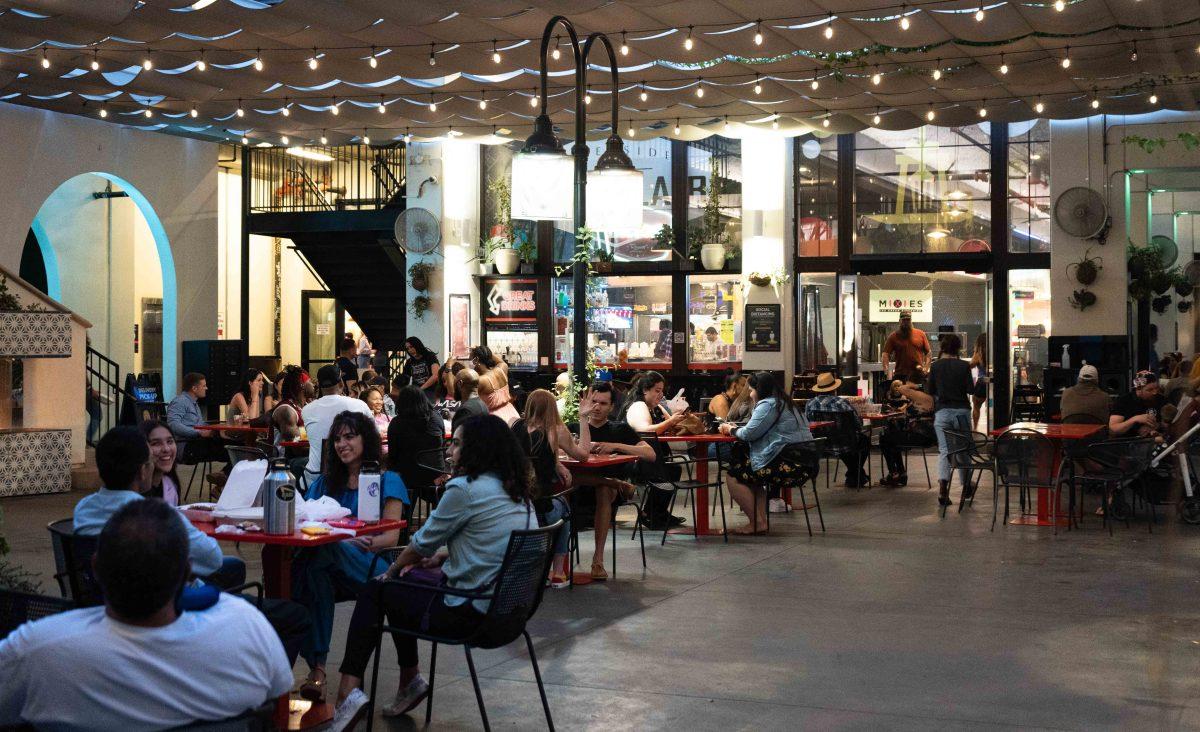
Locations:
(21, 607)
(961, 448)
(1025, 458)
(843, 435)
(1082, 419)
(1126, 458)
(517, 591)
(238, 453)
(73, 563)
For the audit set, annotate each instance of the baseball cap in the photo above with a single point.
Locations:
(1089, 373)
(328, 375)
(906, 314)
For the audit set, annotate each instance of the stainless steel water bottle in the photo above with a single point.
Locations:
(279, 499)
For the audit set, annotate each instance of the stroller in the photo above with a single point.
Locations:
(1187, 451)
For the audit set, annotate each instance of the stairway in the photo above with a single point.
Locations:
(366, 272)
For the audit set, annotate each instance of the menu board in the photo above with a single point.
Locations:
(763, 327)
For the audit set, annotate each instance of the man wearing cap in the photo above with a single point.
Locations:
(1085, 398)
(1138, 413)
(827, 400)
(319, 414)
(908, 347)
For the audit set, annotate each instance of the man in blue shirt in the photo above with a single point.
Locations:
(827, 400)
(184, 413)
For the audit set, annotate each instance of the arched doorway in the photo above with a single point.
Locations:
(107, 257)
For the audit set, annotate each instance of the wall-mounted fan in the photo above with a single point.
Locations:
(1191, 272)
(417, 231)
(1167, 248)
(1081, 212)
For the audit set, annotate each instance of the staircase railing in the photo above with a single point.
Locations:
(104, 394)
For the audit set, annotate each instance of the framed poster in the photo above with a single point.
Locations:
(763, 327)
(509, 304)
(460, 326)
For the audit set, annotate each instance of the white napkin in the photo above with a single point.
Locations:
(320, 509)
(677, 403)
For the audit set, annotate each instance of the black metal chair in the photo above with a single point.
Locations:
(1028, 404)
(804, 456)
(969, 452)
(843, 438)
(687, 485)
(513, 599)
(1024, 458)
(21, 607)
(1074, 456)
(1114, 465)
(238, 453)
(73, 564)
(430, 464)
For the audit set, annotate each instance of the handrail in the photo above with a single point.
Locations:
(308, 181)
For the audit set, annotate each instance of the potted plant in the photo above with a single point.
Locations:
(528, 253)
(418, 274)
(712, 239)
(420, 305)
(503, 253)
(1086, 269)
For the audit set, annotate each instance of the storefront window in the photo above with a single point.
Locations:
(628, 321)
(653, 158)
(1029, 323)
(924, 190)
(816, 195)
(818, 298)
(715, 217)
(1029, 186)
(714, 321)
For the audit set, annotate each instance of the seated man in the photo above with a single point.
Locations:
(914, 430)
(137, 663)
(1086, 398)
(826, 400)
(184, 413)
(1138, 413)
(607, 438)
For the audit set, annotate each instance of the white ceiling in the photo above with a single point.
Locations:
(724, 61)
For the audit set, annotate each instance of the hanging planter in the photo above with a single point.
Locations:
(419, 306)
(1184, 305)
(1082, 299)
(1160, 304)
(418, 274)
(1086, 269)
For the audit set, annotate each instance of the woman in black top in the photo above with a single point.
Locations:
(415, 439)
(950, 385)
(421, 367)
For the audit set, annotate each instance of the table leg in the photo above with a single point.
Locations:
(700, 454)
(277, 571)
(1045, 497)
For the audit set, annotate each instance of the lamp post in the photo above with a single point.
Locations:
(540, 170)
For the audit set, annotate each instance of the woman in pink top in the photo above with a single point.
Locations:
(493, 384)
(374, 399)
(165, 484)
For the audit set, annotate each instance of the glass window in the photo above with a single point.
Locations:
(818, 321)
(714, 321)
(1029, 186)
(628, 321)
(816, 195)
(924, 190)
(715, 216)
(1029, 323)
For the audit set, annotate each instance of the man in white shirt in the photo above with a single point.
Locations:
(319, 414)
(138, 663)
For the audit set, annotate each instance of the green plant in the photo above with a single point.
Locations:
(664, 238)
(586, 252)
(418, 273)
(527, 250)
(8, 299)
(13, 577)
(419, 306)
(776, 277)
(1086, 269)
(1147, 275)
(501, 191)
(1189, 140)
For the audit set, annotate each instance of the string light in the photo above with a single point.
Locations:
(775, 124)
(324, 139)
(96, 61)
(725, 129)
(825, 122)
(1133, 54)
(407, 135)
(372, 61)
(983, 109)
(245, 140)
(556, 54)
(195, 112)
(258, 62)
(814, 84)
(937, 71)
(876, 119)
(587, 97)
(757, 85)
(829, 28)
(285, 111)
(758, 37)
(699, 86)
(876, 77)
(148, 112)
(432, 103)
(1154, 99)
(979, 15)
(103, 113)
(1039, 107)
(1066, 61)
(687, 42)
(382, 106)
(904, 24)
(365, 138)
(483, 100)
(533, 98)
(45, 60)
(240, 112)
(624, 45)
(631, 132)
(147, 63)
(676, 126)
(432, 58)
(496, 58)
(284, 139)
(1095, 99)
(930, 114)
(201, 65)
(312, 62)
(1059, 5)
(1003, 65)
(334, 109)
(644, 96)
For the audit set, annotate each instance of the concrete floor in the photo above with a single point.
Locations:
(893, 619)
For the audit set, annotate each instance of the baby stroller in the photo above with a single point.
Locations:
(1187, 451)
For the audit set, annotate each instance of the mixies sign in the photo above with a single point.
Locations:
(885, 305)
(510, 301)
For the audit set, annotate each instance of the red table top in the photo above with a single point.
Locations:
(296, 539)
(232, 428)
(883, 415)
(820, 424)
(1054, 431)
(304, 443)
(596, 462)
(698, 439)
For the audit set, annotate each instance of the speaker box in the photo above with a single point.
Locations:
(223, 363)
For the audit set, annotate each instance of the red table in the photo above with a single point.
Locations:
(700, 445)
(303, 444)
(594, 462)
(277, 554)
(1056, 433)
(245, 433)
(820, 424)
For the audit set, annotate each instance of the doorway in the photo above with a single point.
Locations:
(322, 329)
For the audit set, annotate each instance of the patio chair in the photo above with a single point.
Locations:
(686, 485)
(1116, 464)
(73, 564)
(1024, 458)
(969, 452)
(17, 608)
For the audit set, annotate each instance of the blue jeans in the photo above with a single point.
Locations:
(559, 511)
(953, 419)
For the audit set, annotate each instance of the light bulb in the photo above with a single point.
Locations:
(983, 111)
(1154, 99)
(1039, 107)
(775, 124)
(147, 64)
(1066, 62)
(312, 62)
(334, 109)
(825, 122)
(644, 96)
(699, 91)
(587, 98)
(149, 113)
(382, 108)
(284, 139)
(556, 54)
(366, 140)
(876, 119)
(45, 60)
(495, 53)
(245, 140)
(195, 113)
(433, 59)
(624, 45)
(533, 101)
(904, 24)
(200, 65)
(815, 84)
(258, 64)
(979, 15)
(1095, 103)
(407, 137)
(1133, 54)
(240, 112)
(483, 104)
(1003, 65)
(829, 29)
(757, 88)
(96, 63)
(687, 42)
(930, 115)
(676, 128)
(758, 36)
(324, 140)
(725, 128)
(373, 62)
(433, 106)
(631, 132)
(103, 113)
(285, 111)
(937, 74)
(1059, 5)
(876, 78)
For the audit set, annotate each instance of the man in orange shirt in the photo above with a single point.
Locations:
(908, 347)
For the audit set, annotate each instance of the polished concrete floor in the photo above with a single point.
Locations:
(895, 619)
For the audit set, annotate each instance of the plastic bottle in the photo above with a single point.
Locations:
(1066, 356)
(370, 492)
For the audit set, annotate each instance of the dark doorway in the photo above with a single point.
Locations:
(33, 267)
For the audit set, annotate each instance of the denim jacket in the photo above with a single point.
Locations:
(768, 434)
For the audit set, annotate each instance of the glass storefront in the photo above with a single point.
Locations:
(925, 190)
(1029, 323)
(816, 195)
(817, 347)
(722, 156)
(715, 308)
(629, 321)
(1029, 186)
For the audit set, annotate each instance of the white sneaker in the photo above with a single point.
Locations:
(349, 712)
(409, 697)
(778, 505)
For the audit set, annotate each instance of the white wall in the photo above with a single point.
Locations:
(460, 229)
(427, 159)
(177, 176)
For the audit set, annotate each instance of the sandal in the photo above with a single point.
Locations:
(313, 689)
(598, 572)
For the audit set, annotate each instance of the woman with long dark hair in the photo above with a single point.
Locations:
(163, 453)
(979, 393)
(422, 367)
(415, 439)
(321, 576)
(493, 384)
(645, 411)
(288, 415)
(774, 424)
(950, 386)
(247, 403)
(487, 499)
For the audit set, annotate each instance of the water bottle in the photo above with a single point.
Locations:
(279, 499)
(1066, 356)
(370, 492)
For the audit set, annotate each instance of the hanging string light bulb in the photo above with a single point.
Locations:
(1059, 5)
(103, 112)
(245, 140)
(815, 83)
(45, 60)
(195, 112)
(979, 14)
(496, 58)
(587, 97)
(1003, 65)
(699, 87)
(876, 119)
(757, 85)
(533, 97)
(829, 28)
(334, 109)
(96, 60)
(407, 135)
(687, 42)
(556, 54)
(285, 111)
(1039, 107)
(725, 128)
(877, 77)
(631, 132)
(432, 103)
(930, 114)
(483, 100)
(240, 111)
(432, 57)
(258, 62)
(758, 36)
(366, 139)
(983, 109)
(775, 124)
(676, 126)
(1095, 99)
(1133, 54)
(147, 63)
(1066, 60)
(644, 96)
(825, 122)
(324, 139)
(937, 71)
(371, 60)
(904, 24)
(201, 65)
(285, 140)
(382, 106)
(148, 112)
(1154, 99)
(624, 45)
(312, 62)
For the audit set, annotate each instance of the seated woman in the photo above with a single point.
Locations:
(493, 384)
(736, 392)
(461, 546)
(247, 404)
(374, 399)
(415, 439)
(163, 453)
(323, 575)
(759, 462)
(645, 411)
(542, 435)
(914, 430)
(445, 399)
